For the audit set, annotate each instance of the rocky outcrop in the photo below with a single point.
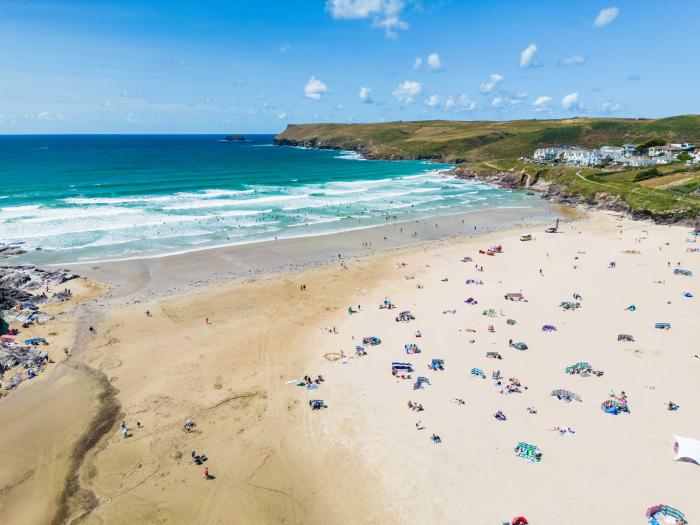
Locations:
(29, 277)
(17, 284)
(10, 250)
(503, 179)
(234, 138)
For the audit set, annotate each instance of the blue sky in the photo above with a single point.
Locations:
(137, 66)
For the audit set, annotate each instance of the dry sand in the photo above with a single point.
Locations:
(362, 460)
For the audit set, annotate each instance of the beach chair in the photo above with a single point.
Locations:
(681, 271)
(478, 372)
(528, 452)
(625, 337)
(663, 326)
(418, 385)
(437, 364)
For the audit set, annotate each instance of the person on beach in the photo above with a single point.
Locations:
(206, 473)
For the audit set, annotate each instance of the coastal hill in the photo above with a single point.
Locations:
(456, 141)
(489, 150)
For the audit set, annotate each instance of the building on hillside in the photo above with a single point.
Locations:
(685, 146)
(581, 157)
(668, 150)
(630, 149)
(636, 161)
(664, 159)
(612, 152)
(548, 154)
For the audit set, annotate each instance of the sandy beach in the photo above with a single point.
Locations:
(226, 355)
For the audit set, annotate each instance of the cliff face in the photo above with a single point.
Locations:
(557, 192)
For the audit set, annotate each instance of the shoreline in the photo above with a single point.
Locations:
(179, 272)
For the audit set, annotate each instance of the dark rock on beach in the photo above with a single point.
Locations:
(17, 284)
(10, 250)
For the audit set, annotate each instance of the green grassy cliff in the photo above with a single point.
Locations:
(456, 141)
(489, 150)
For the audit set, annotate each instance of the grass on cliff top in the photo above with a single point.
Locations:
(484, 140)
(675, 192)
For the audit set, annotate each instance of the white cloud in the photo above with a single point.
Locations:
(497, 102)
(285, 47)
(541, 104)
(610, 106)
(571, 102)
(385, 14)
(541, 101)
(314, 88)
(606, 16)
(365, 94)
(573, 60)
(434, 61)
(494, 79)
(417, 63)
(407, 91)
(390, 24)
(281, 115)
(432, 101)
(462, 102)
(527, 56)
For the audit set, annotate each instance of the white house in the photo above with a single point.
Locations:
(581, 157)
(630, 149)
(548, 154)
(685, 146)
(664, 159)
(636, 161)
(672, 150)
(612, 152)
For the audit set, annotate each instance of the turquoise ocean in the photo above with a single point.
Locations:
(106, 197)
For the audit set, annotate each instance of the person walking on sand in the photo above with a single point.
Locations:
(206, 472)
